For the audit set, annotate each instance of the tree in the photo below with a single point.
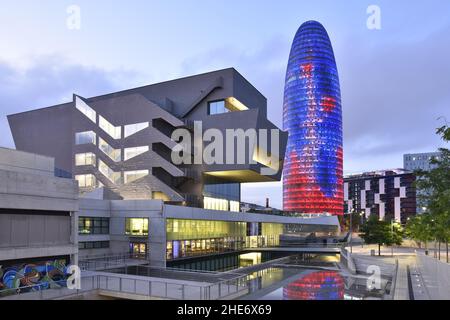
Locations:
(419, 228)
(345, 221)
(435, 187)
(380, 232)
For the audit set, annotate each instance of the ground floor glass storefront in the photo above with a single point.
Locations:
(189, 238)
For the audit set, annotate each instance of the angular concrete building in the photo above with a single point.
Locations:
(122, 141)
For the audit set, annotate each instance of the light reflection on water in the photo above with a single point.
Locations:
(310, 285)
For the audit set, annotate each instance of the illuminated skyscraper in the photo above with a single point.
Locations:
(312, 114)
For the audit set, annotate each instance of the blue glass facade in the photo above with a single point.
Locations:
(312, 114)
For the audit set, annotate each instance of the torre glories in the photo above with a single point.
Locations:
(312, 115)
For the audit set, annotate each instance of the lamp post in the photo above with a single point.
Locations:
(351, 229)
(392, 235)
(361, 223)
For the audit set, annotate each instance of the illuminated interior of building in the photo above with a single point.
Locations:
(199, 237)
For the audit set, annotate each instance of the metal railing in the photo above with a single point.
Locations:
(136, 288)
(102, 262)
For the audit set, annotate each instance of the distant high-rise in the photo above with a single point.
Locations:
(420, 161)
(312, 114)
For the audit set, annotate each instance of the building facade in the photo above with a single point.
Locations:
(167, 234)
(38, 220)
(420, 161)
(312, 115)
(134, 198)
(416, 162)
(390, 194)
(122, 142)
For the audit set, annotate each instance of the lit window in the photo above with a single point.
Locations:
(91, 225)
(215, 204)
(85, 159)
(85, 137)
(133, 152)
(108, 173)
(134, 128)
(130, 176)
(85, 180)
(235, 206)
(114, 154)
(85, 109)
(114, 132)
(136, 226)
(217, 107)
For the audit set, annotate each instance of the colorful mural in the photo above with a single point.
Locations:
(33, 277)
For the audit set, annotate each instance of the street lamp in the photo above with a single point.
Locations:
(351, 229)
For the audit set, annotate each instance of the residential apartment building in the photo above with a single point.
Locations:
(390, 194)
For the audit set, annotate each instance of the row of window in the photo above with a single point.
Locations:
(90, 181)
(220, 204)
(100, 225)
(187, 248)
(105, 125)
(93, 225)
(89, 137)
(93, 245)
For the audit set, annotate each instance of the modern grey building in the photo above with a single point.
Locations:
(168, 234)
(38, 213)
(122, 141)
(134, 198)
(420, 162)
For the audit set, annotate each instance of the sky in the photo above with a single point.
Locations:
(395, 81)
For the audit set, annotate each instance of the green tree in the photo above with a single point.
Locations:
(435, 192)
(380, 232)
(419, 228)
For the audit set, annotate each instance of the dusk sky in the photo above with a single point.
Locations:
(395, 82)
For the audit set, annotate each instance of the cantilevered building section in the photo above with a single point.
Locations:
(312, 115)
(120, 144)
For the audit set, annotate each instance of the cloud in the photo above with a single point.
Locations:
(392, 93)
(393, 96)
(264, 67)
(50, 80)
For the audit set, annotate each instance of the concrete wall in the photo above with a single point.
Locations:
(24, 162)
(27, 230)
(37, 192)
(37, 210)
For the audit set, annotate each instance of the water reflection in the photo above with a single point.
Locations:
(320, 285)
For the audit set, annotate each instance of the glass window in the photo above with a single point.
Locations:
(114, 154)
(131, 129)
(114, 132)
(136, 226)
(93, 245)
(86, 180)
(84, 159)
(217, 107)
(235, 206)
(85, 137)
(85, 109)
(215, 204)
(133, 152)
(93, 225)
(108, 173)
(130, 176)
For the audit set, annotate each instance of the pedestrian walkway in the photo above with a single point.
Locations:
(403, 257)
(435, 276)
